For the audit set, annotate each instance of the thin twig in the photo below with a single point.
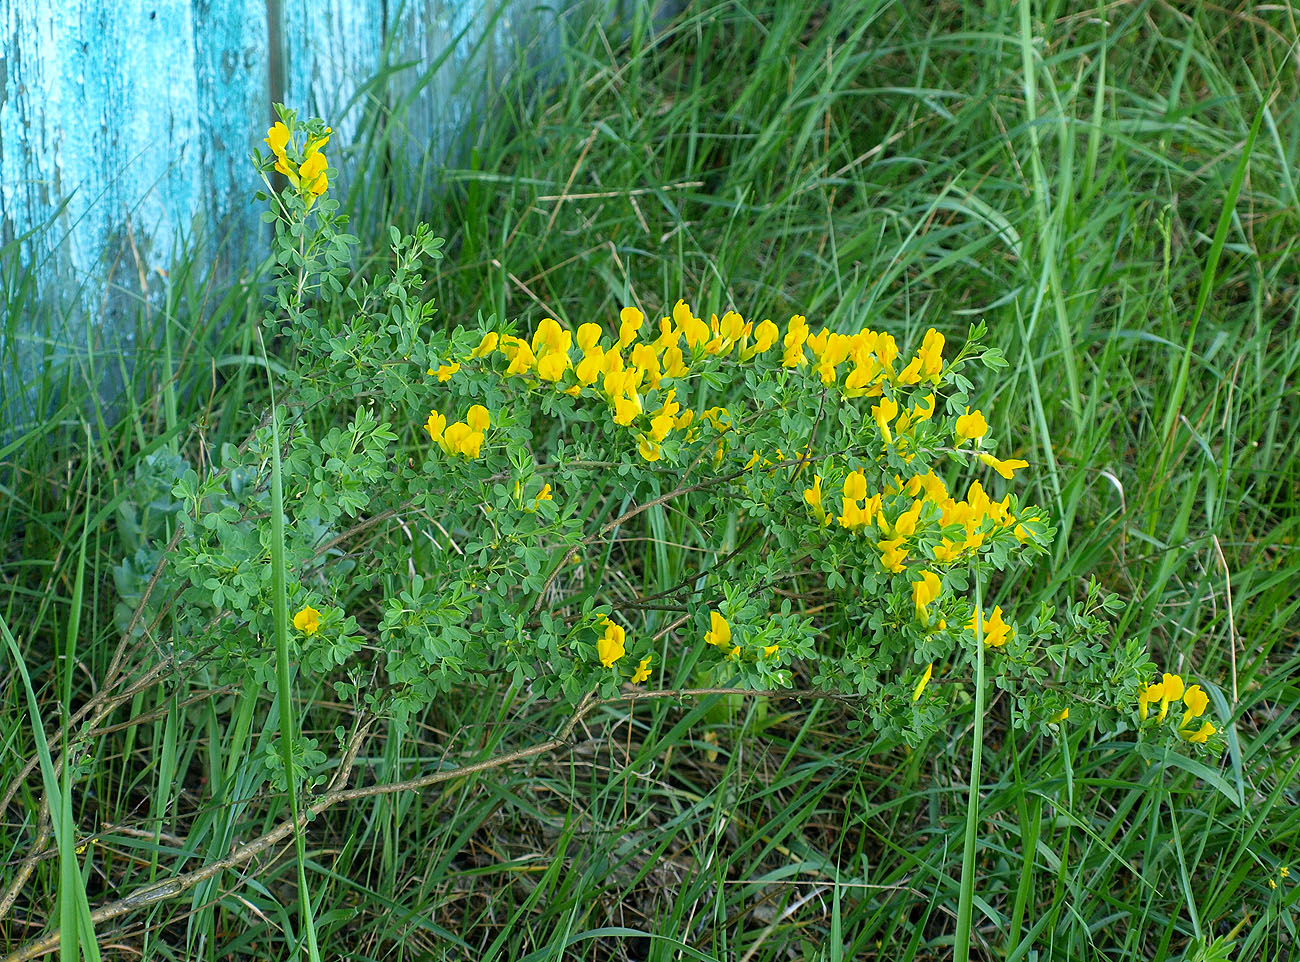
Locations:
(170, 888)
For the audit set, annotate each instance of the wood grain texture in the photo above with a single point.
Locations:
(126, 125)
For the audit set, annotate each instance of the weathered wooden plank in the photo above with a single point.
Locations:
(125, 125)
(331, 52)
(232, 63)
(98, 127)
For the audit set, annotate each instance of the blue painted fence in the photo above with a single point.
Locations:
(126, 125)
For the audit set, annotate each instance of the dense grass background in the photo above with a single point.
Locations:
(1057, 171)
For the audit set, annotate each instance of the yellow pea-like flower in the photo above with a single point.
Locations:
(630, 321)
(971, 427)
(435, 426)
(626, 410)
(924, 592)
(610, 647)
(882, 414)
(855, 485)
(307, 621)
(487, 344)
(312, 174)
(996, 631)
(1195, 700)
(551, 367)
(588, 338)
(642, 671)
(925, 680)
(719, 632)
(1004, 468)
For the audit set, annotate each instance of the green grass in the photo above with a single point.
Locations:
(901, 166)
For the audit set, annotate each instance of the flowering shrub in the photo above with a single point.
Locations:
(460, 525)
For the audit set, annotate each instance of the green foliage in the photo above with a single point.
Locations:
(1059, 177)
(458, 541)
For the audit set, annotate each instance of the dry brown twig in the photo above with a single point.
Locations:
(338, 794)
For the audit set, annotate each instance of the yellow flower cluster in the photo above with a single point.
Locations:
(463, 438)
(622, 369)
(611, 646)
(1169, 689)
(914, 520)
(930, 510)
(310, 175)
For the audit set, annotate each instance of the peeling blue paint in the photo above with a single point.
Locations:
(126, 125)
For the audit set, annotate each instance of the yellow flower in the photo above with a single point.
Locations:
(1171, 690)
(1061, 715)
(660, 425)
(720, 632)
(795, 338)
(1004, 468)
(928, 361)
(630, 321)
(1202, 734)
(925, 680)
(675, 363)
(770, 650)
(549, 336)
(551, 367)
(924, 592)
(882, 414)
(863, 380)
(626, 409)
(542, 495)
(609, 646)
(765, 335)
(855, 485)
(588, 337)
(487, 345)
(312, 174)
(905, 526)
(471, 444)
(307, 621)
(446, 371)
(463, 439)
(813, 496)
(892, 554)
(642, 671)
(277, 138)
(478, 418)
(649, 449)
(435, 426)
(925, 410)
(1196, 701)
(522, 360)
(948, 551)
(694, 330)
(316, 143)
(996, 631)
(1148, 696)
(971, 426)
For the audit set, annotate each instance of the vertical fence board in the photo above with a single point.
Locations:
(232, 65)
(125, 128)
(331, 51)
(98, 125)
